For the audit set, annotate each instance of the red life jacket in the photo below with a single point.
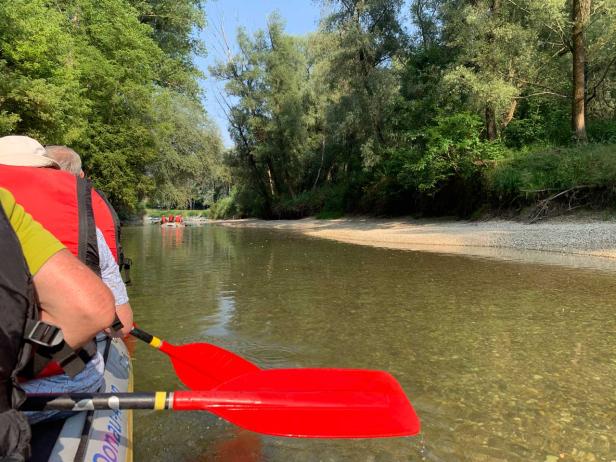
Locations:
(108, 222)
(59, 201)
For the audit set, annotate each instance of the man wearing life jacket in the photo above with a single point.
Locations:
(41, 286)
(70, 161)
(58, 201)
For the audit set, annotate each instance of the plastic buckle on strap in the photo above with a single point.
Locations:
(71, 361)
(44, 334)
(74, 361)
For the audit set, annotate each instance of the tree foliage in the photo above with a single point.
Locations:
(395, 107)
(114, 79)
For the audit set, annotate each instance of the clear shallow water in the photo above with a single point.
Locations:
(503, 361)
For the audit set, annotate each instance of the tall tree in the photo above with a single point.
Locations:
(370, 40)
(496, 57)
(582, 32)
(580, 15)
(270, 122)
(175, 25)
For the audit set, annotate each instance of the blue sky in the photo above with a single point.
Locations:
(301, 17)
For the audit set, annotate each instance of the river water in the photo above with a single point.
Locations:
(503, 361)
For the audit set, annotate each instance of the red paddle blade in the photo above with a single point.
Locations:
(201, 366)
(310, 403)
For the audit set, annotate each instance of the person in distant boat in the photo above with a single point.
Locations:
(163, 219)
(171, 220)
(179, 219)
(70, 161)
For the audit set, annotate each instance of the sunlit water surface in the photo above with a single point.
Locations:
(503, 361)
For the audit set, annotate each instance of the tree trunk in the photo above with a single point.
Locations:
(316, 180)
(580, 12)
(509, 115)
(270, 178)
(490, 114)
(491, 132)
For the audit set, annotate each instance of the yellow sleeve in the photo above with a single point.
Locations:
(37, 244)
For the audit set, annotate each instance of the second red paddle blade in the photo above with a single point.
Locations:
(322, 403)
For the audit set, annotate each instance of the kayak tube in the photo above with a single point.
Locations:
(93, 435)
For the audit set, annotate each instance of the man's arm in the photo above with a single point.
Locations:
(110, 273)
(73, 298)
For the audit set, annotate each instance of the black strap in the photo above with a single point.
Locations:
(88, 244)
(74, 361)
(51, 346)
(116, 225)
(126, 266)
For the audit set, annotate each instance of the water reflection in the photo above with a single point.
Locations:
(172, 236)
(241, 447)
(223, 316)
(503, 361)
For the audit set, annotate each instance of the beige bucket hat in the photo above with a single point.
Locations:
(24, 151)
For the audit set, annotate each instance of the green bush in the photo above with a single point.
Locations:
(553, 169)
(328, 201)
(452, 147)
(231, 206)
(538, 121)
(602, 131)
(223, 208)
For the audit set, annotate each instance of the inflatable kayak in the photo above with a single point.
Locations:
(94, 435)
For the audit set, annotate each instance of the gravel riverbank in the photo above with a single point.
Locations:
(570, 243)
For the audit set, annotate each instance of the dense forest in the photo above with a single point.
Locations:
(424, 106)
(389, 107)
(115, 80)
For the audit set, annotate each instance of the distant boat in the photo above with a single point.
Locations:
(173, 225)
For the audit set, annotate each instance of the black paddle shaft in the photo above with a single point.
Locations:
(89, 401)
(141, 335)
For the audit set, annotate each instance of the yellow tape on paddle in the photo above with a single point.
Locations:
(156, 342)
(160, 398)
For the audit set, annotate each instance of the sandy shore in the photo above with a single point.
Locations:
(581, 244)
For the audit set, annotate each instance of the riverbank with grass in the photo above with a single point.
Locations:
(581, 241)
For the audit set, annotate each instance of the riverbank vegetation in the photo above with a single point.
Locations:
(424, 106)
(116, 80)
(192, 213)
(432, 107)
